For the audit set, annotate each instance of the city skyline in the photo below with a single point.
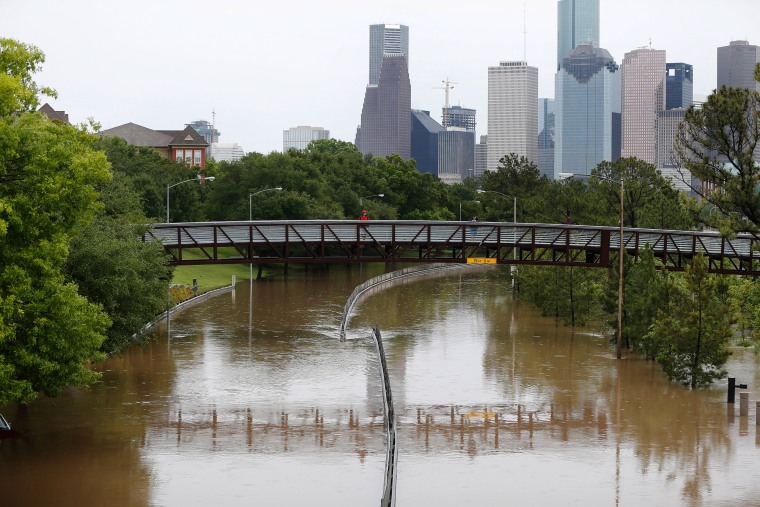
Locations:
(263, 69)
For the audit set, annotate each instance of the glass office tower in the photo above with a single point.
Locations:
(586, 111)
(577, 23)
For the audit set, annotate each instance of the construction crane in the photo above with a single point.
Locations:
(446, 87)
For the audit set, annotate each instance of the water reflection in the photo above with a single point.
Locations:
(257, 401)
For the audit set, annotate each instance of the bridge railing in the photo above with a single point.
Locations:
(435, 241)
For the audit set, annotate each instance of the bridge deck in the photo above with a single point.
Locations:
(346, 241)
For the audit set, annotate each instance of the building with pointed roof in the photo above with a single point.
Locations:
(186, 145)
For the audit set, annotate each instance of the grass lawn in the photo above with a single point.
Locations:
(213, 276)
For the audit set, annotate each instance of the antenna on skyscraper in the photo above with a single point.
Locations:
(213, 125)
(525, 35)
(446, 87)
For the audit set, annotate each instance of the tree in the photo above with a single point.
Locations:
(570, 294)
(645, 294)
(115, 269)
(718, 143)
(517, 177)
(694, 329)
(649, 199)
(49, 334)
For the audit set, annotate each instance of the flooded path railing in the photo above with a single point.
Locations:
(391, 455)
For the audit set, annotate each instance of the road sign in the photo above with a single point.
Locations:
(481, 260)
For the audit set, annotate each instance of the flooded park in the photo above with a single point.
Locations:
(254, 399)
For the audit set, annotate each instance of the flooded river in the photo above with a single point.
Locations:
(255, 401)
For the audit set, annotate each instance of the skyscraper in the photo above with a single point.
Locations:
(386, 40)
(456, 155)
(425, 132)
(512, 111)
(577, 23)
(386, 114)
(668, 122)
(643, 94)
(460, 117)
(736, 65)
(546, 137)
(679, 85)
(300, 137)
(586, 111)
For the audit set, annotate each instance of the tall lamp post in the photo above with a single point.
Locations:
(514, 201)
(197, 178)
(250, 217)
(513, 267)
(250, 195)
(619, 343)
(361, 199)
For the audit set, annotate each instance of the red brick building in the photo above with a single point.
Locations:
(186, 145)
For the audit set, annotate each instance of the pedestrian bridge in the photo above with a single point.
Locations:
(394, 241)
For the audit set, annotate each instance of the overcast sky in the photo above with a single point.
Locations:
(266, 66)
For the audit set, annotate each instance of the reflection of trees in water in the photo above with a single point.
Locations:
(68, 442)
(679, 433)
(675, 432)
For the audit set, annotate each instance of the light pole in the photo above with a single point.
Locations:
(250, 195)
(197, 178)
(619, 343)
(513, 267)
(250, 215)
(361, 199)
(514, 202)
(460, 208)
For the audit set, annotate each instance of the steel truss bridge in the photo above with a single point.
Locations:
(392, 241)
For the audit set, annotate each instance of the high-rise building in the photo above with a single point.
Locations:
(679, 85)
(456, 155)
(667, 129)
(385, 126)
(512, 111)
(577, 23)
(300, 137)
(546, 137)
(386, 40)
(460, 117)
(425, 132)
(736, 65)
(228, 152)
(643, 97)
(586, 111)
(481, 156)
(206, 129)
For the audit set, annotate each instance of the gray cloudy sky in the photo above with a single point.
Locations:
(267, 66)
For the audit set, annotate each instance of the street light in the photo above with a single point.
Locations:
(619, 343)
(197, 178)
(250, 215)
(250, 195)
(361, 199)
(460, 208)
(514, 202)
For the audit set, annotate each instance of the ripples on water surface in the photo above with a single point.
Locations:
(261, 404)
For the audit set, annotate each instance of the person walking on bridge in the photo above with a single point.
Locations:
(364, 215)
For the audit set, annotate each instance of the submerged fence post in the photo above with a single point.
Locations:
(743, 404)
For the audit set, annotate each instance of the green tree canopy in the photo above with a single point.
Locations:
(693, 330)
(718, 143)
(49, 333)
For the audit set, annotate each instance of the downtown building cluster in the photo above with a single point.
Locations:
(602, 110)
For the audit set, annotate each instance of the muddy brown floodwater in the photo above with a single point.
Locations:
(257, 402)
